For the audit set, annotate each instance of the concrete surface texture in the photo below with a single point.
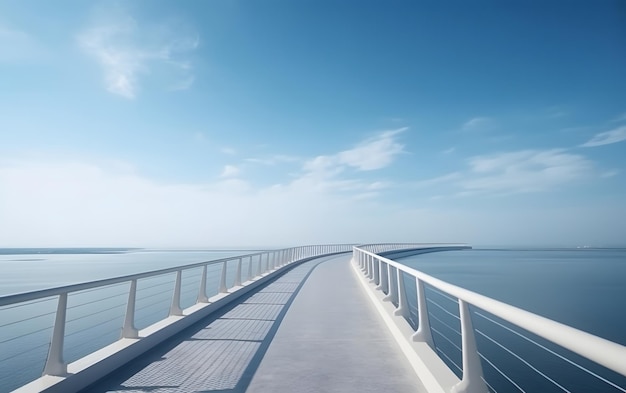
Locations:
(311, 330)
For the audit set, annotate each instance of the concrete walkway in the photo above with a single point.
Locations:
(311, 330)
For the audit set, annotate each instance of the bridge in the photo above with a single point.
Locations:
(322, 318)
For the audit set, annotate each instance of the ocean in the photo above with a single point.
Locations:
(94, 317)
(584, 288)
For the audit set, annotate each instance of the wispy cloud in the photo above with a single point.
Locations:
(514, 172)
(611, 173)
(50, 202)
(230, 171)
(273, 160)
(444, 179)
(606, 138)
(524, 171)
(373, 153)
(127, 51)
(340, 172)
(478, 123)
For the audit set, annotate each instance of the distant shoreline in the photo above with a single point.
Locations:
(108, 250)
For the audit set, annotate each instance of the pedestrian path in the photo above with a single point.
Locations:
(310, 330)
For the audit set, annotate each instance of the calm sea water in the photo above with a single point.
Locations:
(23, 270)
(583, 288)
(94, 317)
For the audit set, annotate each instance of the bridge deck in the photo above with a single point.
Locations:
(308, 331)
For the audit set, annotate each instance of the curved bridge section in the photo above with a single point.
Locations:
(479, 341)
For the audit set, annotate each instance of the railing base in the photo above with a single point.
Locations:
(429, 368)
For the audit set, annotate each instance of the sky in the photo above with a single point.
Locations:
(279, 123)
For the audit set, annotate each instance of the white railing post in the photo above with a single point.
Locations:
(222, 288)
(55, 365)
(250, 268)
(423, 333)
(237, 282)
(472, 381)
(202, 297)
(375, 272)
(267, 264)
(380, 279)
(403, 304)
(129, 330)
(175, 307)
(258, 268)
(392, 294)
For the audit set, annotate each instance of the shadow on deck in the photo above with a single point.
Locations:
(310, 330)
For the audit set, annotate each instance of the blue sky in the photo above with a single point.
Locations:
(179, 124)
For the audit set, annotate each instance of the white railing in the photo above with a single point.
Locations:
(391, 278)
(33, 327)
(379, 248)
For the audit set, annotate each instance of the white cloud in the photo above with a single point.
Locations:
(82, 204)
(273, 160)
(373, 153)
(444, 179)
(74, 204)
(230, 171)
(332, 172)
(524, 171)
(127, 51)
(514, 172)
(606, 138)
(478, 123)
(610, 173)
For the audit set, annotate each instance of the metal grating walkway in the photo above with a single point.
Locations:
(248, 348)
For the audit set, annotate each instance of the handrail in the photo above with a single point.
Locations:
(38, 294)
(265, 262)
(377, 248)
(599, 350)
